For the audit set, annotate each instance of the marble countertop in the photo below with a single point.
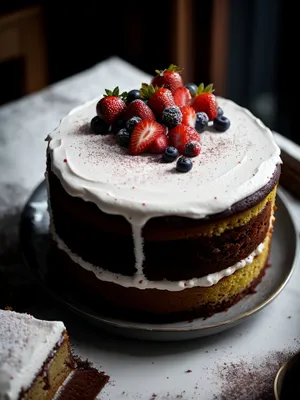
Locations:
(237, 364)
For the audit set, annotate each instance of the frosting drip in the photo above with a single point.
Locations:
(25, 344)
(141, 282)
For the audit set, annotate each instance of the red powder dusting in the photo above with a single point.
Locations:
(215, 198)
(141, 281)
(185, 284)
(188, 371)
(143, 204)
(251, 380)
(65, 160)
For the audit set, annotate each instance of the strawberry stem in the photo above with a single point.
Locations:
(147, 91)
(205, 89)
(171, 67)
(115, 93)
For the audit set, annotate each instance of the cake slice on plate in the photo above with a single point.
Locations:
(35, 356)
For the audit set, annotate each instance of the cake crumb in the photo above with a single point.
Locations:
(188, 371)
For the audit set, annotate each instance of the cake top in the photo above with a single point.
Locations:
(25, 344)
(132, 158)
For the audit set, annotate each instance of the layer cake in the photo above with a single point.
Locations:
(134, 233)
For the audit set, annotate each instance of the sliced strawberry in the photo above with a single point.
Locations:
(159, 145)
(181, 135)
(188, 116)
(169, 78)
(111, 106)
(205, 101)
(143, 135)
(182, 96)
(138, 108)
(158, 98)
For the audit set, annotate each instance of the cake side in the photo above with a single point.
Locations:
(168, 253)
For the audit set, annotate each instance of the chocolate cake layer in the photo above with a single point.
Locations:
(100, 239)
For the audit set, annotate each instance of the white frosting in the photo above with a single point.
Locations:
(231, 166)
(141, 282)
(25, 344)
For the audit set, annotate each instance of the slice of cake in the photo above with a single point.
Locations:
(35, 356)
(162, 204)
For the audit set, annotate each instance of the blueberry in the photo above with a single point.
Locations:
(98, 126)
(170, 154)
(201, 121)
(119, 124)
(131, 123)
(133, 95)
(184, 164)
(123, 137)
(221, 123)
(172, 116)
(192, 88)
(220, 111)
(192, 149)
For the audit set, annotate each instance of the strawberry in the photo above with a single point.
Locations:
(138, 109)
(111, 106)
(143, 135)
(188, 116)
(182, 96)
(181, 135)
(169, 78)
(160, 144)
(205, 101)
(158, 98)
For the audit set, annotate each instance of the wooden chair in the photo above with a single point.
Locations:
(22, 37)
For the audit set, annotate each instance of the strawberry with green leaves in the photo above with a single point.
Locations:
(170, 78)
(205, 101)
(111, 106)
(158, 98)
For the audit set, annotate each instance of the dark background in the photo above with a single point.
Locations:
(259, 67)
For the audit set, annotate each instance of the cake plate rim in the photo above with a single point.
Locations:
(133, 329)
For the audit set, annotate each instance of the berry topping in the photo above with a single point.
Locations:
(221, 123)
(184, 164)
(182, 97)
(192, 87)
(220, 111)
(159, 145)
(131, 123)
(99, 126)
(111, 106)
(172, 116)
(205, 101)
(181, 135)
(188, 116)
(143, 135)
(201, 121)
(169, 78)
(138, 108)
(133, 95)
(123, 137)
(158, 98)
(192, 149)
(170, 154)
